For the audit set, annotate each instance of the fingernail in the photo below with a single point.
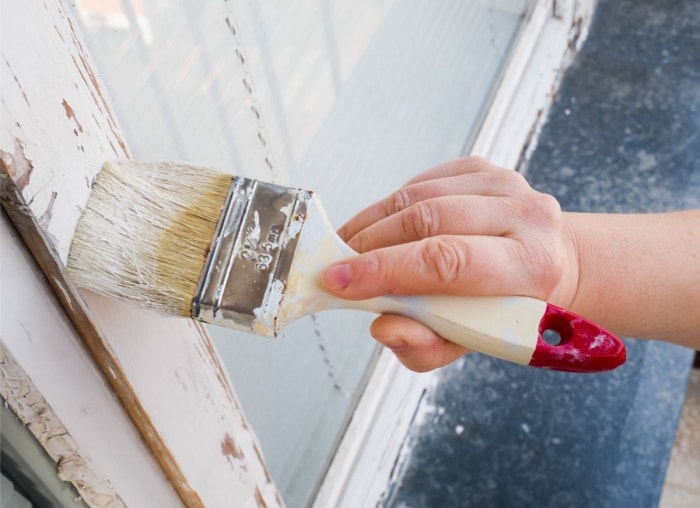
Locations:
(337, 276)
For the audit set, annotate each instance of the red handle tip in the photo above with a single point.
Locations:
(571, 343)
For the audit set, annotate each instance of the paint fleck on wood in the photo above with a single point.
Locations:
(19, 86)
(259, 498)
(16, 165)
(261, 460)
(70, 114)
(229, 448)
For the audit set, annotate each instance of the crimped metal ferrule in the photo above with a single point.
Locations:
(246, 271)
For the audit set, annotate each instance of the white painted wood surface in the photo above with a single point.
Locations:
(553, 34)
(57, 129)
(84, 429)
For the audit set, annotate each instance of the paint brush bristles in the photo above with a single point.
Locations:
(146, 231)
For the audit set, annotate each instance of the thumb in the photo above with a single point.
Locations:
(443, 264)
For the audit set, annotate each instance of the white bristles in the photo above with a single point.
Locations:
(146, 231)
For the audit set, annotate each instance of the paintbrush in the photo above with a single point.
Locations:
(187, 240)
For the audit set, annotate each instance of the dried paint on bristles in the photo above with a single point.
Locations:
(146, 231)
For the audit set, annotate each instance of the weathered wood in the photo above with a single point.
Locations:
(57, 129)
(36, 414)
(44, 359)
(42, 250)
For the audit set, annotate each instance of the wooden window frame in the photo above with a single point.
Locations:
(57, 128)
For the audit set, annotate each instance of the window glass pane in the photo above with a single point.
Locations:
(10, 497)
(346, 98)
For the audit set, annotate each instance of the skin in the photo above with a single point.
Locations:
(468, 227)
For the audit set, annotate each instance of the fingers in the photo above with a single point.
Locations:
(417, 347)
(477, 183)
(465, 227)
(448, 264)
(447, 215)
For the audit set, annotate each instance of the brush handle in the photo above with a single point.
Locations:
(512, 328)
(519, 329)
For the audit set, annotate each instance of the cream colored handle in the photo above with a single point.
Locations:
(504, 327)
(512, 328)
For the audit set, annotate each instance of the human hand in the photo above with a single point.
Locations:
(465, 227)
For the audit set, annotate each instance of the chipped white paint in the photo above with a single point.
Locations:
(33, 411)
(48, 379)
(57, 129)
(191, 400)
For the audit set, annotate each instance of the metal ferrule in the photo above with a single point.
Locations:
(251, 254)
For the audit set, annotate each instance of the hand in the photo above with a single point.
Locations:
(465, 227)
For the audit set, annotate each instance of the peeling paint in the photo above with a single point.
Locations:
(259, 498)
(259, 454)
(107, 109)
(184, 431)
(17, 165)
(70, 114)
(101, 104)
(208, 353)
(229, 448)
(19, 86)
(25, 400)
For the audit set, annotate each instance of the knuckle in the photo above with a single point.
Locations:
(550, 208)
(420, 221)
(476, 161)
(398, 201)
(372, 273)
(544, 210)
(445, 260)
(511, 180)
(419, 366)
(507, 183)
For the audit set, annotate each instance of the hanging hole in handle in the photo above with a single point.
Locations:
(555, 330)
(551, 337)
